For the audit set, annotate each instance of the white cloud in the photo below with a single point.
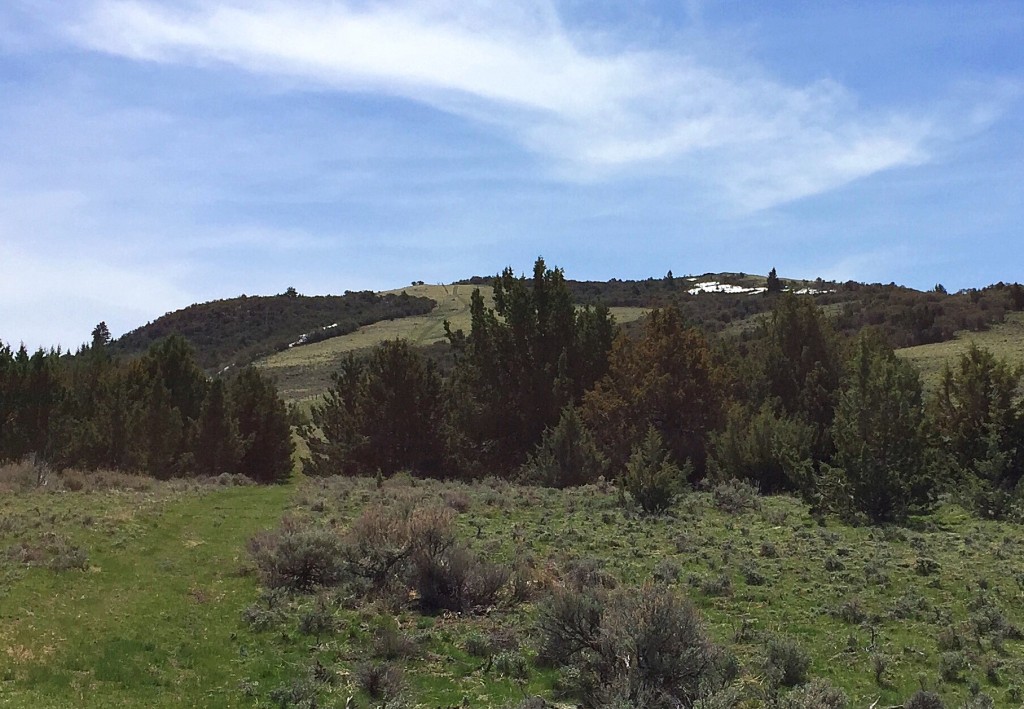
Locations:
(516, 66)
(53, 299)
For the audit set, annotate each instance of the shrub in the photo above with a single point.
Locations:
(735, 496)
(298, 558)
(720, 585)
(651, 478)
(390, 643)
(951, 665)
(786, 661)
(636, 647)
(770, 450)
(816, 694)
(922, 699)
(318, 620)
(589, 573)
(380, 543)
(380, 680)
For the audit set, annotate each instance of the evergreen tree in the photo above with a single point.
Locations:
(522, 362)
(566, 455)
(980, 424)
(879, 433)
(162, 433)
(384, 413)
(651, 478)
(263, 426)
(774, 283)
(173, 361)
(665, 379)
(802, 366)
(767, 448)
(217, 445)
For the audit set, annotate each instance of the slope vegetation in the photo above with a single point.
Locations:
(238, 330)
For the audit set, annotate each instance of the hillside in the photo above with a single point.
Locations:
(238, 330)
(1005, 340)
(303, 372)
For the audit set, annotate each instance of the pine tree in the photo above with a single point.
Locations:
(651, 478)
(774, 284)
(523, 361)
(162, 433)
(980, 424)
(802, 366)
(383, 413)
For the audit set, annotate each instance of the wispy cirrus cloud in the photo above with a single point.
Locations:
(593, 108)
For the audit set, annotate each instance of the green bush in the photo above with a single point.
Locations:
(634, 647)
(566, 456)
(922, 699)
(816, 694)
(736, 496)
(298, 558)
(786, 661)
(651, 478)
(767, 449)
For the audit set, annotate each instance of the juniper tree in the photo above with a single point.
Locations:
(879, 433)
(264, 427)
(980, 423)
(523, 360)
(665, 379)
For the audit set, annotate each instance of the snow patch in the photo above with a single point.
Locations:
(716, 287)
(304, 338)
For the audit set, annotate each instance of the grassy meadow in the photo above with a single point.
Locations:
(146, 595)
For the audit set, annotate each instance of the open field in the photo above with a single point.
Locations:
(1005, 340)
(305, 372)
(164, 610)
(130, 597)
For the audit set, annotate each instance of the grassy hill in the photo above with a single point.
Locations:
(1005, 340)
(304, 372)
(326, 328)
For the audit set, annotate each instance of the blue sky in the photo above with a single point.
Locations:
(155, 154)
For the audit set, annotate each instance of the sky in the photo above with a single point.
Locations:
(157, 154)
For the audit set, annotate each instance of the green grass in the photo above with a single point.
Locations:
(1005, 340)
(156, 616)
(848, 594)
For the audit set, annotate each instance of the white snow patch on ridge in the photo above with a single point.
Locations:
(305, 336)
(716, 287)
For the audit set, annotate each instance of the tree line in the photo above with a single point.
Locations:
(157, 414)
(545, 391)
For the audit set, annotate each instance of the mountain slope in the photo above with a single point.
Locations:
(238, 330)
